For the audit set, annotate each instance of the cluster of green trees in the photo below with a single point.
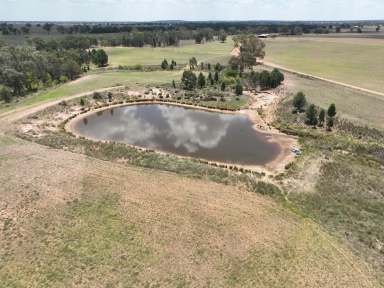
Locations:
(77, 46)
(190, 81)
(165, 65)
(24, 69)
(98, 57)
(143, 38)
(68, 42)
(161, 37)
(314, 116)
(250, 49)
(265, 79)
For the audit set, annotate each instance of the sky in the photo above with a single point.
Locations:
(152, 10)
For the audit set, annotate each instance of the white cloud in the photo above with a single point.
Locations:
(128, 10)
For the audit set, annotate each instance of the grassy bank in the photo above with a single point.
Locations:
(338, 182)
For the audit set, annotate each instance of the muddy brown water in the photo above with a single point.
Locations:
(214, 136)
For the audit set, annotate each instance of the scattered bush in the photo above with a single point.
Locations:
(164, 64)
(97, 96)
(299, 102)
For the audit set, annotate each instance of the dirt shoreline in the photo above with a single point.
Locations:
(277, 165)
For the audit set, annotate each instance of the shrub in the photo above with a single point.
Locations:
(321, 118)
(311, 115)
(63, 79)
(189, 80)
(97, 96)
(239, 88)
(299, 102)
(231, 73)
(331, 110)
(164, 64)
(201, 82)
(5, 94)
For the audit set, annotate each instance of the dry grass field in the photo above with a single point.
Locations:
(211, 52)
(360, 107)
(355, 61)
(70, 220)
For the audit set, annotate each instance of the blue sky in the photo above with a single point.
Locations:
(149, 10)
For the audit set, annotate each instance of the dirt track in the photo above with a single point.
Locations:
(22, 112)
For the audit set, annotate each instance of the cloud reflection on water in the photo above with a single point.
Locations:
(191, 132)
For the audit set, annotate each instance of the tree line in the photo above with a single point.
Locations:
(265, 80)
(237, 74)
(229, 27)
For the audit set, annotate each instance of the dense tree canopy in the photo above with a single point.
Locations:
(25, 69)
(99, 57)
(265, 79)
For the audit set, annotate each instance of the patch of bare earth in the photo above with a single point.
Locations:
(192, 233)
(82, 79)
(262, 108)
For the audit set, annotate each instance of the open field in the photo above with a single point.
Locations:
(75, 213)
(114, 215)
(360, 107)
(353, 61)
(96, 81)
(70, 217)
(211, 52)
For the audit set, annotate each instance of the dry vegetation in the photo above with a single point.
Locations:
(107, 215)
(354, 61)
(78, 221)
(338, 182)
